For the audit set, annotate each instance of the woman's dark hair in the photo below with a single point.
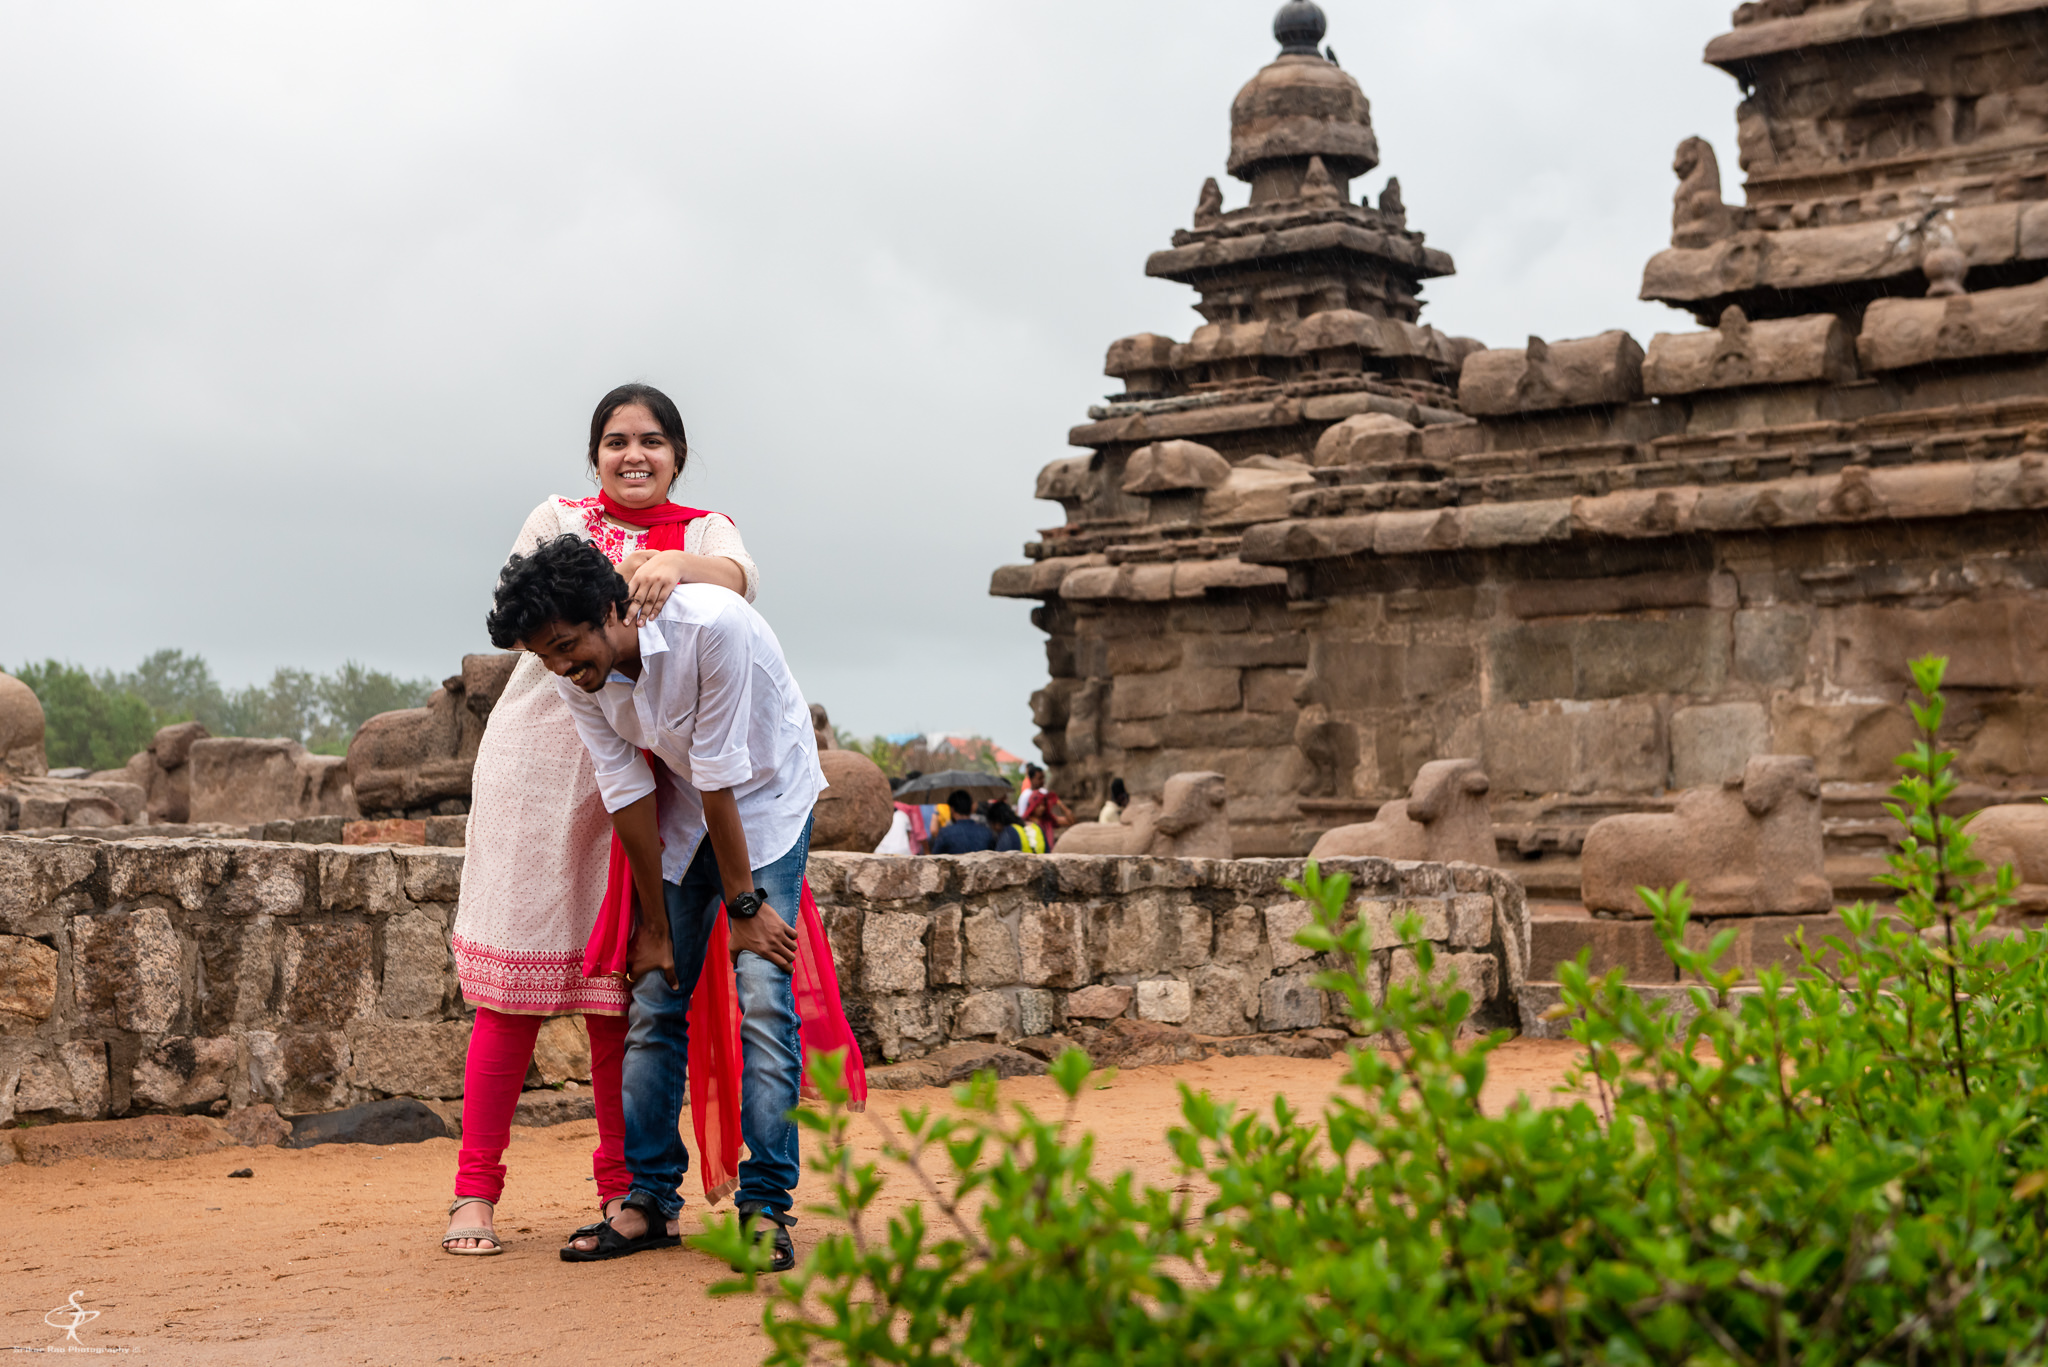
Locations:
(1119, 794)
(998, 813)
(564, 580)
(654, 401)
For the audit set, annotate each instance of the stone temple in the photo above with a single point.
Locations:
(1319, 544)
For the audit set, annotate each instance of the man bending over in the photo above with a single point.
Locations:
(725, 815)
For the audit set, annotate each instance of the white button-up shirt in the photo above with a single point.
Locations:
(716, 702)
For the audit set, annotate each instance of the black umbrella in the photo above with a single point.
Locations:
(935, 787)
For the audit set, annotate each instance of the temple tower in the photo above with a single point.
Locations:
(1320, 544)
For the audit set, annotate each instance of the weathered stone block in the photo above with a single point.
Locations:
(993, 871)
(1618, 747)
(1240, 938)
(1771, 646)
(409, 1058)
(886, 879)
(1099, 1001)
(946, 949)
(40, 877)
(127, 969)
(1383, 917)
(992, 958)
(1632, 946)
(907, 1026)
(1206, 690)
(1221, 1001)
(892, 951)
(1471, 920)
(1143, 654)
(1053, 951)
(328, 978)
(298, 1072)
(1283, 919)
(1478, 974)
(562, 1051)
(28, 979)
(1139, 696)
(1168, 1000)
(361, 879)
(184, 871)
(1035, 1012)
(85, 1067)
(992, 1014)
(1291, 1001)
(182, 1073)
(1680, 653)
(1711, 744)
(430, 875)
(267, 879)
(1850, 742)
(419, 971)
(237, 972)
(43, 1087)
(1531, 663)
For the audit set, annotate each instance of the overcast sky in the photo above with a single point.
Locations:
(304, 307)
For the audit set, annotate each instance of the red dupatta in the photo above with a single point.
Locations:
(715, 1056)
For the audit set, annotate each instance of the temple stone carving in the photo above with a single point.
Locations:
(1444, 819)
(1748, 846)
(1607, 572)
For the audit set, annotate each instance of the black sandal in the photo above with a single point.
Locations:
(612, 1244)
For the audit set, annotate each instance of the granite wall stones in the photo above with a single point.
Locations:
(189, 975)
(203, 976)
(997, 947)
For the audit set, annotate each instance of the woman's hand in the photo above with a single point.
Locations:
(650, 577)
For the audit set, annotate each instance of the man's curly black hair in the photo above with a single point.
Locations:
(564, 580)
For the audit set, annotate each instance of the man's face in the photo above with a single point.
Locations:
(581, 653)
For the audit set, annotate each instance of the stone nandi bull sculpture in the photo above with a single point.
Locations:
(1748, 847)
(1190, 821)
(1443, 818)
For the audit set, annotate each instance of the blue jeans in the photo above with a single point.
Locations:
(657, 1063)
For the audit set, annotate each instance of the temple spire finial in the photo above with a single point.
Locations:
(1299, 26)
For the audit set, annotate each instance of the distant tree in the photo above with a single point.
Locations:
(98, 721)
(355, 693)
(85, 725)
(177, 687)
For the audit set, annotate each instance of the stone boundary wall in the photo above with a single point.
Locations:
(201, 976)
(1005, 946)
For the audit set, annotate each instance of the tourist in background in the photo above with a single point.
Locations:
(539, 839)
(966, 833)
(1119, 798)
(1042, 806)
(1011, 834)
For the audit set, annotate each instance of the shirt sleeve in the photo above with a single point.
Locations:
(623, 777)
(719, 537)
(719, 757)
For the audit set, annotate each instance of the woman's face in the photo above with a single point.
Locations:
(635, 461)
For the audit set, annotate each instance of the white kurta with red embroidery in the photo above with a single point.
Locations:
(539, 841)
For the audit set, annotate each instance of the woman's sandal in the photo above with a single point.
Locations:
(612, 1244)
(472, 1231)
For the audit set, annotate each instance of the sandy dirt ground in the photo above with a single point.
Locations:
(331, 1254)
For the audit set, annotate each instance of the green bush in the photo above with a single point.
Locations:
(1844, 1166)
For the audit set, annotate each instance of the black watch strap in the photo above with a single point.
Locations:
(747, 905)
